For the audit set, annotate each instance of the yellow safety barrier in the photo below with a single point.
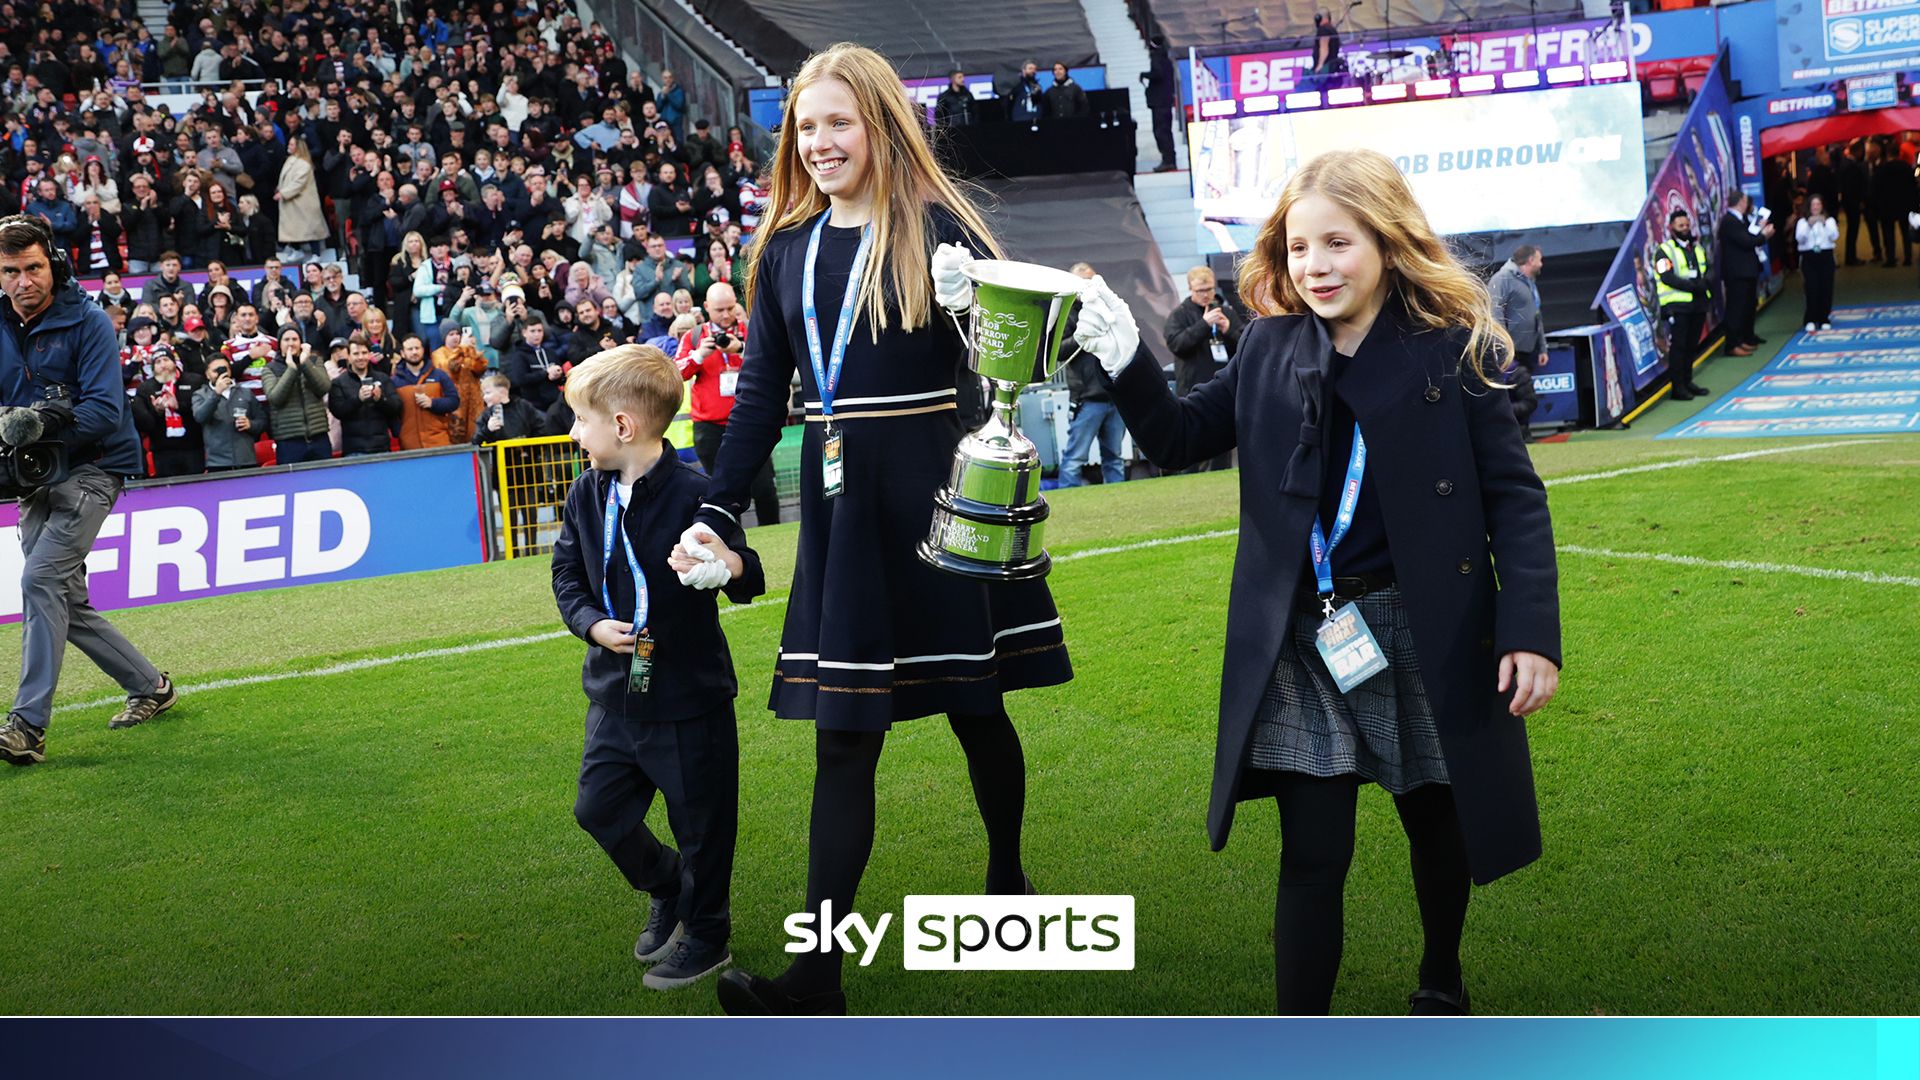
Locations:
(532, 477)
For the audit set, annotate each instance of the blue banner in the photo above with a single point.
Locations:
(1695, 178)
(1557, 388)
(363, 517)
(1824, 40)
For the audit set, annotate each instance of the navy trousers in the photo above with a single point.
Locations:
(695, 766)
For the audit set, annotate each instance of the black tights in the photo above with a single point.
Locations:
(1316, 847)
(841, 831)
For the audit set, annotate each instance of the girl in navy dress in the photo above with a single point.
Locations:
(1383, 485)
(864, 217)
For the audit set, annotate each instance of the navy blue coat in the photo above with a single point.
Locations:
(1459, 497)
(72, 344)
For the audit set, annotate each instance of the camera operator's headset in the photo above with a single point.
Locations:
(43, 235)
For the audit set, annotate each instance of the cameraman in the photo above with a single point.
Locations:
(74, 385)
(1202, 333)
(710, 355)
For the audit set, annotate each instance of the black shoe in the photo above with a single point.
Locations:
(1855, 262)
(21, 743)
(1424, 1002)
(745, 994)
(692, 960)
(1680, 393)
(1756, 340)
(661, 933)
(1699, 391)
(144, 707)
(1166, 166)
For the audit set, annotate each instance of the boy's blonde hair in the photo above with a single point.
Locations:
(496, 381)
(683, 323)
(639, 380)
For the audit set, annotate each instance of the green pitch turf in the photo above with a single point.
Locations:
(1726, 783)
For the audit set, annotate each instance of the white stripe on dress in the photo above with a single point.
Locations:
(949, 392)
(846, 665)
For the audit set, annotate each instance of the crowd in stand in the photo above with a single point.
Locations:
(498, 181)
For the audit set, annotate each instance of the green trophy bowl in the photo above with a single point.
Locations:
(989, 521)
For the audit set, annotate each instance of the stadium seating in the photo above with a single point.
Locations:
(923, 38)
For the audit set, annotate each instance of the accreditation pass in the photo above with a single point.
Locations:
(1349, 649)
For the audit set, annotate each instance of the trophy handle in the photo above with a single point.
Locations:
(961, 330)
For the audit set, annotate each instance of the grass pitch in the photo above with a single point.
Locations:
(1726, 784)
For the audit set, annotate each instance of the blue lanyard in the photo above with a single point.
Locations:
(633, 563)
(826, 375)
(1321, 546)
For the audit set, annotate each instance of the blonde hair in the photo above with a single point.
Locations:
(1439, 293)
(496, 381)
(903, 181)
(1198, 274)
(637, 379)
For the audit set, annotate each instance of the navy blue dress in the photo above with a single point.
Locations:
(873, 635)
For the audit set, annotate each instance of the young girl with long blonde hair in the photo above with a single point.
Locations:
(840, 285)
(1383, 481)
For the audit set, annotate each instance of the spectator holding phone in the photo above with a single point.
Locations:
(365, 401)
(1203, 333)
(231, 418)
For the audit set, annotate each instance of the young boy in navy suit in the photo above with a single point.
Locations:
(658, 677)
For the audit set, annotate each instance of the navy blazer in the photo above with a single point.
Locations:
(1459, 497)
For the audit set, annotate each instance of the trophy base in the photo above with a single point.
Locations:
(986, 542)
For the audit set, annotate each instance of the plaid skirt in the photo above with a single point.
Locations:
(1382, 731)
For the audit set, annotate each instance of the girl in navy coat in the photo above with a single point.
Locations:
(873, 635)
(1377, 451)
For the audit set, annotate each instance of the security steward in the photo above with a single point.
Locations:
(1685, 287)
(59, 359)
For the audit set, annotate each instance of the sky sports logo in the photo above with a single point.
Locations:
(982, 933)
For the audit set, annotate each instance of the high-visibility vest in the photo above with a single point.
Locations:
(1669, 255)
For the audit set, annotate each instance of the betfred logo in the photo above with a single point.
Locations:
(1018, 933)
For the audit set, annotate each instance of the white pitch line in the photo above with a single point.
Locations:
(1144, 544)
(1088, 553)
(369, 662)
(1681, 463)
(1865, 576)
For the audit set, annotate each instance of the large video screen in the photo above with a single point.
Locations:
(1497, 162)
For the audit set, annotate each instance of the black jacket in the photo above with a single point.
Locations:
(1455, 487)
(1191, 340)
(1739, 258)
(193, 233)
(152, 422)
(526, 368)
(518, 420)
(692, 670)
(955, 108)
(366, 427)
(1892, 191)
(146, 231)
(1066, 99)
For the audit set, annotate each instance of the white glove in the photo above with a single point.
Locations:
(1106, 329)
(707, 575)
(1914, 220)
(950, 287)
(694, 540)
